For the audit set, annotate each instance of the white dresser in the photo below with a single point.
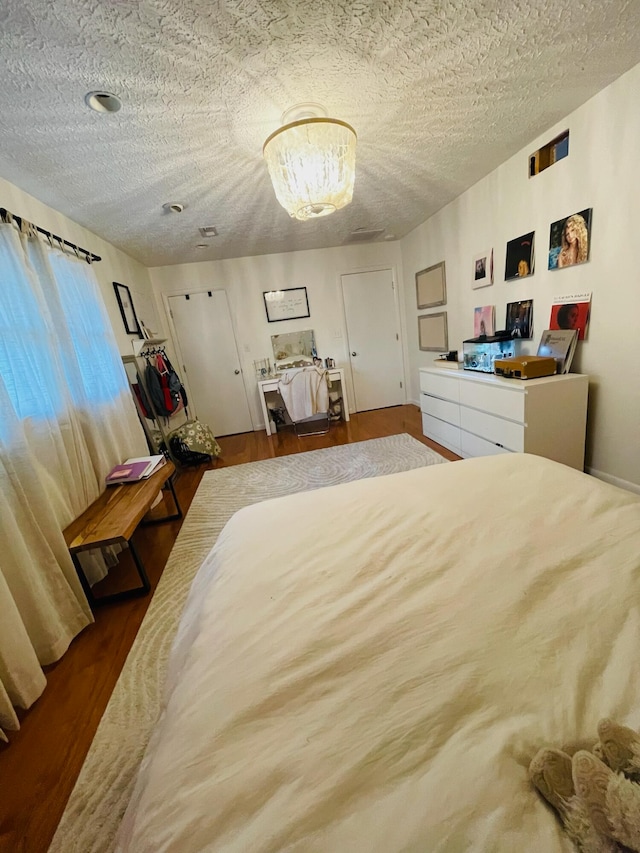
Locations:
(478, 414)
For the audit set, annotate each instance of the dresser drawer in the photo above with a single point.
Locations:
(442, 432)
(443, 409)
(497, 400)
(472, 445)
(495, 430)
(440, 386)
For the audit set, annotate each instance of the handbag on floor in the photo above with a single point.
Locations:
(193, 442)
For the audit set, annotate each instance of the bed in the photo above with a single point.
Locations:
(372, 666)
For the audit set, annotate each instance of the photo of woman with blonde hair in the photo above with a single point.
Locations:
(569, 240)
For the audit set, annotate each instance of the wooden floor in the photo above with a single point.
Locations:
(39, 767)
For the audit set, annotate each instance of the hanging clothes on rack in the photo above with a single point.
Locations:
(166, 391)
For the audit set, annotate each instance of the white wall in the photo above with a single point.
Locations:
(601, 172)
(245, 279)
(114, 266)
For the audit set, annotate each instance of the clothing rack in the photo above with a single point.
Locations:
(148, 353)
(7, 216)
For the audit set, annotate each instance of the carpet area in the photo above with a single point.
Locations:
(101, 794)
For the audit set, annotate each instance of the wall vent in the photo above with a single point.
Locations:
(363, 235)
(208, 231)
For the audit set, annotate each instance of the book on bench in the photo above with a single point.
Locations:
(137, 468)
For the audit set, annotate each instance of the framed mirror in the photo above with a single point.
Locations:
(294, 346)
(431, 286)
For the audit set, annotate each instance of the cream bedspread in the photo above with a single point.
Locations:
(371, 666)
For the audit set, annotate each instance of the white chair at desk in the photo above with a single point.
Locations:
(305, 394)
(269, 388)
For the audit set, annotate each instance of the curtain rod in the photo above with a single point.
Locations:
(89, 256)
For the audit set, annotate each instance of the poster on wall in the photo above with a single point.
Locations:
(519, 320)
(483, 320)
(291, 303)
(570, 240)
(482, 269)
(519, 262)
(571, 311)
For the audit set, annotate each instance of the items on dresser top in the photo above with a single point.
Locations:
(525, 366)
(474, 414)
(480, 353)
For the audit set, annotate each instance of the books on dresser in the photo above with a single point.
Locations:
(136, 468)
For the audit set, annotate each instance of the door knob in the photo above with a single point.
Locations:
(354, 353)
(236, 372)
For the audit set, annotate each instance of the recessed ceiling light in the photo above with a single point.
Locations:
(173, 207)
(201, 246)
(103, 102)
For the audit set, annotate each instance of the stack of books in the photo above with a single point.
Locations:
(137, 468)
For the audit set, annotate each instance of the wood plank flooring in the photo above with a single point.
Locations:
(39, 767)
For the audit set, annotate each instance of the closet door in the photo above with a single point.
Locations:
(207, 344)
(373, 328)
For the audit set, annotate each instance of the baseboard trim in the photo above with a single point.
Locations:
(614, 481)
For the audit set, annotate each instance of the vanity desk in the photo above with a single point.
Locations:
(268, 391)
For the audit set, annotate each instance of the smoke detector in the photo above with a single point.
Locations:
(208, 231)
(173, 207)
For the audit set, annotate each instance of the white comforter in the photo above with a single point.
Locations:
(371, 667)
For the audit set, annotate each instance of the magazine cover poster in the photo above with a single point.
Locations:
(483, 321)
(571, 312)
(570, 240)
(520, 258)
(519, 322)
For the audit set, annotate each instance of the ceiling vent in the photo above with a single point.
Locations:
(364, 235)
(208, 231)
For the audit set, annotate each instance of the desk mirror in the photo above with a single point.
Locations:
(294, 346)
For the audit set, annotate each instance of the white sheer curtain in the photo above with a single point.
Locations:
(66, 417)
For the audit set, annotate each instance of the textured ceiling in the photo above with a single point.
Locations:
(439, 93)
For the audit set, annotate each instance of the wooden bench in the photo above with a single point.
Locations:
(112, 519)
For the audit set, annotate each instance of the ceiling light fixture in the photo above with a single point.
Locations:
(103, 102)
(173, 207)
(311, 161)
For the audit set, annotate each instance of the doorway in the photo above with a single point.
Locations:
(207, 345)
(373, 334)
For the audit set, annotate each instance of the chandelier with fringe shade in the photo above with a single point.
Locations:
(311, 161)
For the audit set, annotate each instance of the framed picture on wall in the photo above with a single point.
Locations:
(482, 269)
(431, 286)
(483, 320)
(570, 240)
(520, 258)
(289, 304)
(432, 332)
(128, 312)
(519, 319)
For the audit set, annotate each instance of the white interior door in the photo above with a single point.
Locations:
(373, 331)
(202, 323)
